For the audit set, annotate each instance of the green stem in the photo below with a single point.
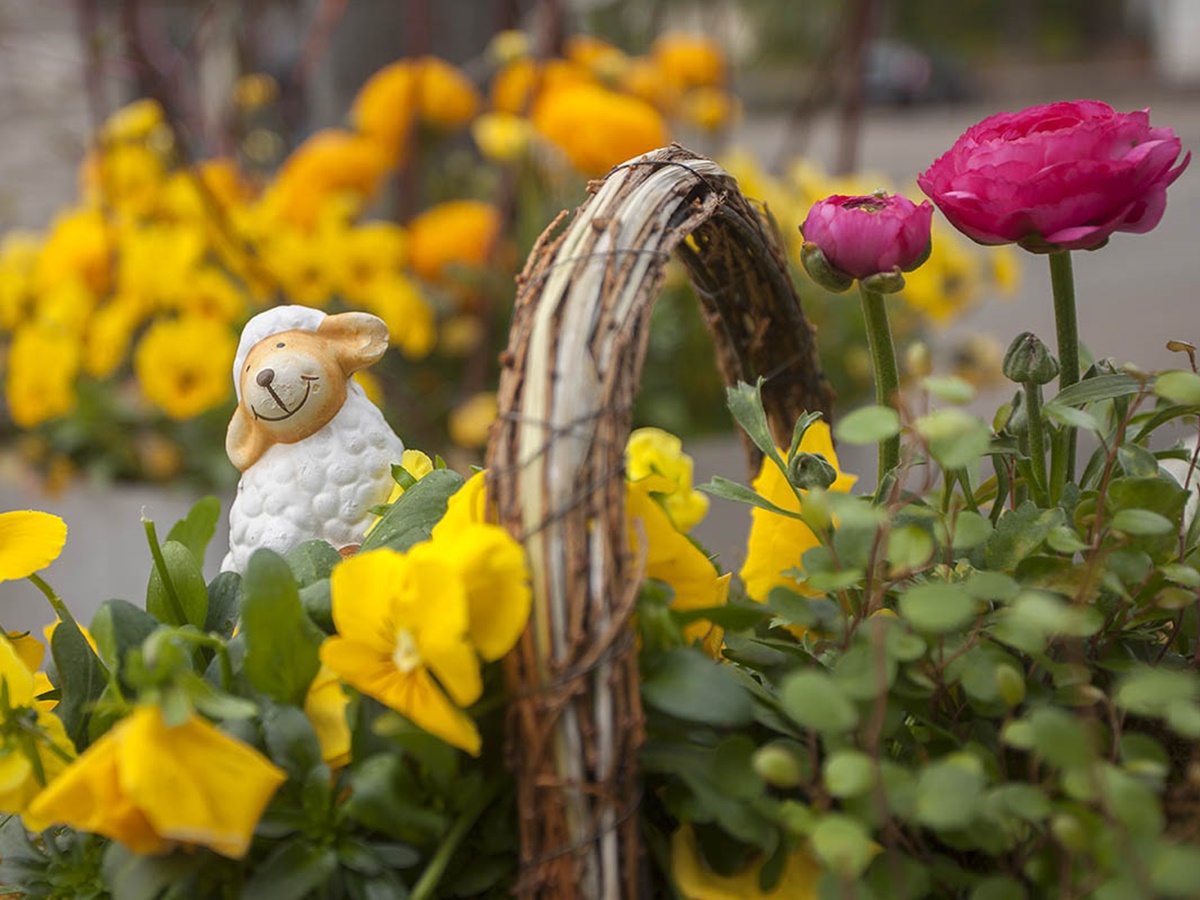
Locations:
(887, 375)
(161, 564)
(219, 647)
(427, 885)
(1062, 283)
(1037, 440)
(65, 616)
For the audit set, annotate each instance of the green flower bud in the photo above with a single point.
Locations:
(776, 766)
(1029, 361)
(820, 271)
(811, 470)
(884, 282)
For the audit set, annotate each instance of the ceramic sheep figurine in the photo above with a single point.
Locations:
(315, 454)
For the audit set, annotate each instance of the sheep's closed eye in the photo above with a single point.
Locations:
(280, 344)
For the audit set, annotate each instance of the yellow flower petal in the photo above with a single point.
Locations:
(429, 708)
(493, 569)
(30, 650)
(325, 707)
(363, 588)
(29, 541)
(467, 506)
(194, 783)
(698, 882)
(15, 674)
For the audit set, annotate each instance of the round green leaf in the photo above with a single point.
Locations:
(849, 773)
(956, 438)
(815, 701)
(950, 389)
(970, 530)
(1179, 387)
(1141, 522)
(937, 608)
(843, 845)
(868, 425)
(950, 792)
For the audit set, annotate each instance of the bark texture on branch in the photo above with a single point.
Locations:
(557, 478)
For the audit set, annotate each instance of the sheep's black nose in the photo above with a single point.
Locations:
(265, 377)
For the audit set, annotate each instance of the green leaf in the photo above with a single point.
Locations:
(381, 798)
(1137, 462)
(1097, 389)
(739, 493)
(1179, 387)
(281, 642)
(909, 547)
(1150, 691)
(999, 887)
(956, 438)
(848, 773)
(970, 530)
(745, 402)
(863, 674)
(224, 603)
(1173, 869)
(188, 582)
(949, 389)
(312, 561)
(317, 600)
(685, 683)
(1063, 539)
(733, 767)
(291, 741)
(868, 425)
(415, 512)
(1060, 737)
(812, 699)
(800, 429)
(950, 792)
(136, 876)
(1141, 522)
(1181, 574)
(1071, 417)
(1019, 533)
(80, 680)
(843, 845)
(197, 528)
(1025, 801)
(117, 627)
(937, 608)
(985, 585)
(295, 870)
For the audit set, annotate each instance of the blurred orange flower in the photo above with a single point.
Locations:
(598, 128)
(460, 232)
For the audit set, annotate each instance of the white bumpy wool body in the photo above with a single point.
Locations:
(315, 454)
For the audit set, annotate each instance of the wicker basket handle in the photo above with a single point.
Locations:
(556, 470)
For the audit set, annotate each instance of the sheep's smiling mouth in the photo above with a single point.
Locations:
(287, 413)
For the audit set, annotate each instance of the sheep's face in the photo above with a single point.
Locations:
(292, 385)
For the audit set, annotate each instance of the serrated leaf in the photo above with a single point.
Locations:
(868, 425)
(1019, 533)
(281, 643)
(415, 512)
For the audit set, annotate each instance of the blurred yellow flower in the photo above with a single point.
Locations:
(447, 98)
(456, 233)
(949, 281)
(65, 307)
(330, 163)
(1006, 268)
(126, 177)
(460, 335)
(152, 786)
(502, 137)
(29, 541)
(689, 60)
(109, 332)
(371, 386)
(78, 244)
(19, 252)
(777, 542)
(402, 621)
(519, 84)
(156, 262)
(34, 747)
(601, 58)
(209, 292)
(979, 360)
(507, 45)
(643, 78)
(409, 318)
(710, 108)
(255, 90)
(366, 255)
(652, 451)
(471, 421)
(304, 272)
(183, 365)
(325, 706)
(597, 128)
(385, 108)
(672, 557)
(42, 364)
(696, 881)
(133, 122)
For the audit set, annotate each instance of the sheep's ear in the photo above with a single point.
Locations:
(359, 339)
(244, 441)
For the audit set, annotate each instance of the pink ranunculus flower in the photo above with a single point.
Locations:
(865, 236)
(1063, 176)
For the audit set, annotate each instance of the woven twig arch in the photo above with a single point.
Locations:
(556, 464)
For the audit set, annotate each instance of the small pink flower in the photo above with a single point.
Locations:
(1059, 176)
(864, 236)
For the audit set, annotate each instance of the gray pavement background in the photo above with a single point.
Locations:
(1134, 295)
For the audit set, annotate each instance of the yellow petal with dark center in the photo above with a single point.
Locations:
(364, 590)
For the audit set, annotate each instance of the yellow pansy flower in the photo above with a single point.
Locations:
(109, 332)
(298, 262)
(493, 570)
(367, 256)
(31, 652)
(325, 706)
(467, 505)
(416, 463)
(42, 364)
(597, 128)
(696, 881)
(78, 244)
(653, 451)
(29, 541)
(18, 259)
(672, 557)
(456, 233)
(777, 542)
(152, 786)
(210, 293)
(183, 365)
(22, 776)
(402, 621)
